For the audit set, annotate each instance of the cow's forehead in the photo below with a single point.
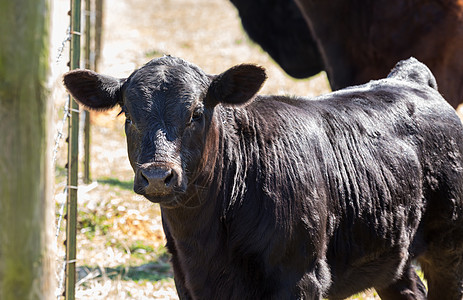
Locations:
(164, 91)
(166, 79)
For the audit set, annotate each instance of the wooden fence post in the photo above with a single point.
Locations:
(26, 204)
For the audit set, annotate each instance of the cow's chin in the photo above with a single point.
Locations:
(168, 201)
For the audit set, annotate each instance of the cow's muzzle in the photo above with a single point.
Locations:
(159, 182)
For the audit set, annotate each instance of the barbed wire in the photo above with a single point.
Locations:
(61, 198)
(60, 134)
(61, 211)
(63, 44)
(61, 275)
(60, 272)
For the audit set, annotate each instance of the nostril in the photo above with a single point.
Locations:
(169, 177)
(144, 179)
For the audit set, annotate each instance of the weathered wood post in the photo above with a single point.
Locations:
(26, 205)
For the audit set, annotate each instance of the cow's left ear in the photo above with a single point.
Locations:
(93, 90)
(236, 86)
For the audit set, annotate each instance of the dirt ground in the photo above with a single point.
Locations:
(120, 249)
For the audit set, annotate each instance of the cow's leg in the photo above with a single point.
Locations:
(407, 287)
(313, 284)
(310, 289)
(443, 271)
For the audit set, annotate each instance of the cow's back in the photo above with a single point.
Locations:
(395, 158)
(385, 158)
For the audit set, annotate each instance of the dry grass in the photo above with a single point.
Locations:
(120, 238)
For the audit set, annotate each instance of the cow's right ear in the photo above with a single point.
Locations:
(94, 90)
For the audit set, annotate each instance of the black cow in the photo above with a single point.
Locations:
(271, 197)
(360, 40)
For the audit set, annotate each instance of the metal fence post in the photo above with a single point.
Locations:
(99, 5)
(73, 159)
(86, 113)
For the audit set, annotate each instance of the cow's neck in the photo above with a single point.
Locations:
(194, 239)
(199, 229)
(236, 149)
(218, 189)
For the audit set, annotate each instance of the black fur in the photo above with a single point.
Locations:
(278, 26)
(295, 198)
(356, 41)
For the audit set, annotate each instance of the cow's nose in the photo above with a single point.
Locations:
(158, 181)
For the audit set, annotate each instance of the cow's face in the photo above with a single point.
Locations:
(169, 106)
(165, 126)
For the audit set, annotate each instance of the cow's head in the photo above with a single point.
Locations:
(169, 106)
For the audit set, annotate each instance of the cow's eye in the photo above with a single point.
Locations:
(197, 115)
(128, 120)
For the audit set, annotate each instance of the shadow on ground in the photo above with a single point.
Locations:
(152, 271)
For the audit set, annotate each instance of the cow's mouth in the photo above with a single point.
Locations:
(161, 197)
(168, 201)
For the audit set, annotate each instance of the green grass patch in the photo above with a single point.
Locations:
(60, 173)
(91, 224)
(153, 271)
(153, 53)
(147, 272)
(125, 185)
(140, 247)
(144, 253)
